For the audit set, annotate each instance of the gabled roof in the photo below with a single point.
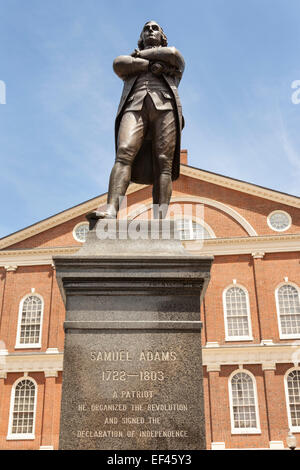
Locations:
(185, 170)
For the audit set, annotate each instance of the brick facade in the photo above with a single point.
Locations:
(266, 356)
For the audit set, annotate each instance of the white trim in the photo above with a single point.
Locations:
(287, 401)
(285, 335)
(281, 212)
(279, 243)
(74, 231)
(62, 217)
(32, 362)
(217, 445)
(234, 430)
(198, 221)
(29, 345)
(22, 436)
(200, 200)
(242, 186)
(248, 337)
(249, 353)
(276, 445)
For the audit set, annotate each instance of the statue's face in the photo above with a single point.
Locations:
(151, 34)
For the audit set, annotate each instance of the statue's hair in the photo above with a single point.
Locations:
(164, 40)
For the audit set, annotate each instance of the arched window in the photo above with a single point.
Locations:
(237, 314)
(243, 404)
(22, 409)
(288, 310)
(30, 322)
(292, 389)
(191, 230)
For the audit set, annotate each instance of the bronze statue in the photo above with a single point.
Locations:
(148, 123)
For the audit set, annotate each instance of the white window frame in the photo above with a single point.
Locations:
(74, 230)
(276, 229)
(199, 222)
(21, 436)
(29, 345)
(248, 337)
(285, 335)
(234, 430)
(287, 400)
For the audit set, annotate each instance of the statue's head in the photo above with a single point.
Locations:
(152, 35)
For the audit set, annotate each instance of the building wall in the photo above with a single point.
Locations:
(259, 274)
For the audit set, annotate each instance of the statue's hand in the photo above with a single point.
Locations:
(157, 68)
(136, 53)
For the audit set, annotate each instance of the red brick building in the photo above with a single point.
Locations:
(251, 312)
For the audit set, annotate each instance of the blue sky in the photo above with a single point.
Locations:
(57, 126)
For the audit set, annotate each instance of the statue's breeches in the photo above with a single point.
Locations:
(150, 123)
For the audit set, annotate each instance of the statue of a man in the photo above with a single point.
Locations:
(149, 121)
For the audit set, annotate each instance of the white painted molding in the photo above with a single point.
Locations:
(201, 200)
(50, 373)
(10, 268)
(276, 445)
(52, 351)
(258, 255)
(244, 245)
(212, 344)
(32, 362)
(213, 246)
(266, 342)
(248, 354)
(214, 356)
(46, 448)
(3, 375)
(217, 445)
(213, 367)
(62, 217)
(268, 366)
(241, 186)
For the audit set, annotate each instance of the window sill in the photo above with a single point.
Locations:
(296, 336)
(245, 431)
(28, 346)
(239, 338)
(20, 437)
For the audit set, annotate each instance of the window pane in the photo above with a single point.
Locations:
(236, 312)
(289, 309)
(23, 408)
(31, 320)
(190, 230)
(243, 401)
(293, 383)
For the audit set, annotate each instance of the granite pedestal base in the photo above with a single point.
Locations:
(132, 377)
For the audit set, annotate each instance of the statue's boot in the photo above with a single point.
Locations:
(94, 216)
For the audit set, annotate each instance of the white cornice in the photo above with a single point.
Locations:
(245, 245)
(32, 362)
(213, 246)
(213, 358)
(99, 201)
(200, 200)
(268, 356)
(60, 218)
(37, 256)
(241, 186)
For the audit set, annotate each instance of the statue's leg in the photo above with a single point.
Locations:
(164, 148)
(131, 133)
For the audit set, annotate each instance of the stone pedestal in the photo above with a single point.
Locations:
(132, 377)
